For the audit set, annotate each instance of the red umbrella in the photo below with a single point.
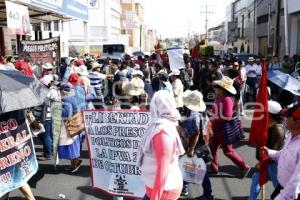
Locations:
(260, 123)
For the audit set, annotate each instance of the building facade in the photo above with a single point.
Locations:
(45, 19)
(141, 37)
(259, 27)
(103, 27)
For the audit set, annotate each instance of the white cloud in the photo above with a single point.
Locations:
(175, 18)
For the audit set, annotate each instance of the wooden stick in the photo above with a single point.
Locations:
(263, 192)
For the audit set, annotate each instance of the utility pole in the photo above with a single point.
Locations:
(141, 31)
(276, 52)
(286, 32)
(206, 12)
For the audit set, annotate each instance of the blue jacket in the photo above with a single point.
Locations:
(69, 107)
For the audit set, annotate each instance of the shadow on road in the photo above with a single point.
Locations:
(36, 197)
(239, 198)
(230, 171)
(88, 190)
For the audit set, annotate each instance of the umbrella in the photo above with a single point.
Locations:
(284, 81)
(18, 91)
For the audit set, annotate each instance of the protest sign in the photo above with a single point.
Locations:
(56, 111)
(114, 138)
(17, 156)
(176, 58)
(41, 51)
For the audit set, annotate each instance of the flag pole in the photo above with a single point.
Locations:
(263, 192)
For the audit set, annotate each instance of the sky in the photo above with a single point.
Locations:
(177, 18)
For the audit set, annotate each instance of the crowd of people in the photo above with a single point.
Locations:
(199, 97)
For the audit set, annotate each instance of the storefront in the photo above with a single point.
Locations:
(45, 19)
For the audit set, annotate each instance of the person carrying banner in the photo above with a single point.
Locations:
(276, 135)
(69, 147)
(160, 150)
(288, 159)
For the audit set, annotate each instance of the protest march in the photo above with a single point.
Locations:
(152, 129)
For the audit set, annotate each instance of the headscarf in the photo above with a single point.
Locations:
(164, 116)
(24, 68)
(75, 79)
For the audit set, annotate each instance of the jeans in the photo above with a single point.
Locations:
(48, 139)
(255, 188)
(206, 185)
(253, 84)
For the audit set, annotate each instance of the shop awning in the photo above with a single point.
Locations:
(45, 10)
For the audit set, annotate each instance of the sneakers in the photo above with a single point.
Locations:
(43, 158)
(184, 192)
(211, 197)
(75, 169)
(246, 172)
(211, 172)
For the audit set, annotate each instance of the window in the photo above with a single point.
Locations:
(243, 26)
(47, 26)
(56, 25)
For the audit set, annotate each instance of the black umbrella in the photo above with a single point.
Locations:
(18, 91)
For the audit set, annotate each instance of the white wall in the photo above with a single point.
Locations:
(293, 6)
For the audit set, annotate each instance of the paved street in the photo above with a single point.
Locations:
(47, 184)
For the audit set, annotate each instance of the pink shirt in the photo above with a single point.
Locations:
(288, 168)
(222, 111)
(160, 171)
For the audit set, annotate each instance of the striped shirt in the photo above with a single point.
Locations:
(97, 80)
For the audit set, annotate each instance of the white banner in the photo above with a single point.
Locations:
(176, 58)
(114, 138)
(17, 17)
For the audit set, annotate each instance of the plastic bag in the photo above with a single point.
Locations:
(193, 169)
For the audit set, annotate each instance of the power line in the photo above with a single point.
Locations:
(206, 12)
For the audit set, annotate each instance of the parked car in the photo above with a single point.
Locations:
(244, 56)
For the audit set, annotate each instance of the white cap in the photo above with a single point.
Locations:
(137, 72)
(175, 72)
(274, 107)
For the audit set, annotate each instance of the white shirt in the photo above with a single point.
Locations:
(177, 87)
(253, 70)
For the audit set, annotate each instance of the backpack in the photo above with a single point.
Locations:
(185, 79)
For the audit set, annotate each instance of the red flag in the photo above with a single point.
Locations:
(260, 123)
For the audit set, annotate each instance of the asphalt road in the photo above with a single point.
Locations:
(49, 183)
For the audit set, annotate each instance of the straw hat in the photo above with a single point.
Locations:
(137, 72)
(251, 59)
(95, 65)
(226, 83)
(193, 100)
(82, 70)
(135, 87)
